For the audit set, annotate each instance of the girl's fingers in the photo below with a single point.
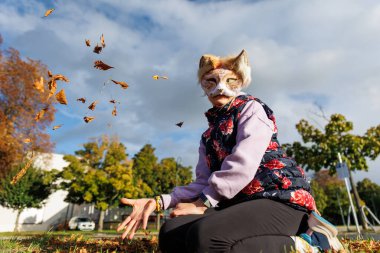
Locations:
(128, 228)
(125, 223)
(134, 228)
(129, 202)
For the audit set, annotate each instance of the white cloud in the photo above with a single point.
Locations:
(307, 49)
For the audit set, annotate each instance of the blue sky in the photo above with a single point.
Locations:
(302, 53)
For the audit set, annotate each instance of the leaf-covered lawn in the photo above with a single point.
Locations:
(81, 244)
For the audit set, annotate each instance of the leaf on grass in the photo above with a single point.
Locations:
(83, 100)
(27, 140)
(114, 111)
(101, 65)
(40, 114)
(61, 97)
(39, 85)
(22, 172)
(92, 105)
(57, 126)
(97, 49)
(179, 124)
(60, 77)
(123, 85)
(48, 12)
(88, 42)
(102, 41)
(88, 119)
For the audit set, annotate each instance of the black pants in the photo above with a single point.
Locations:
(260, 225)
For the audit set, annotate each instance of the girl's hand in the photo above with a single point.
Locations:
(142, 208)
(196, 207)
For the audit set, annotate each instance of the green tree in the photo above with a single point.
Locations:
(100, 173)
(370, 193)
(31, 190)
(319, 195)
(145, 170)
(321, 148)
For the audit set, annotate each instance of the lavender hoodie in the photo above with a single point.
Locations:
(238, 169)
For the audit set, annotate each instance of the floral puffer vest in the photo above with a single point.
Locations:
(278, 177)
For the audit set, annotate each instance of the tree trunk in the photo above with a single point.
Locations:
(158, 221)
(19, 211)
(101, 220)
(357, 202)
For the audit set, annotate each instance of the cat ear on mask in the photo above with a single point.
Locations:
(241, 66)
(206, 63)
(242, 58)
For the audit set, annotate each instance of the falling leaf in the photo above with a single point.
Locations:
(83, 100)
(114, 111)
(39, 85)
(97, 49)
(102, 41)
(27, 140)
(60, 77)
(57, 126)
(50, 74)
(92, 105)
(88, 43)
(164, 77)
(123, 85)
(155, 77)
(101, 65)
(22, 171)
(48, 12)
(61, 97)
(88, 119)
(113, 101)
(179, 124)
(40, 114)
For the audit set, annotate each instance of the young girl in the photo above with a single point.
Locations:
(247, 195)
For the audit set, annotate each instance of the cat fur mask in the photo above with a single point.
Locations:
(224, 75)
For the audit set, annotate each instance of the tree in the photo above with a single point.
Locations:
(30, 191)
(321, 148)
(19, 104)
(160, 177)
(370, 193)
(100, 173)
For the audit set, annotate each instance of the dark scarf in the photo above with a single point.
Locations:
(278, 177)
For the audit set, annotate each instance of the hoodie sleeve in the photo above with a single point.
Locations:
(239, 168)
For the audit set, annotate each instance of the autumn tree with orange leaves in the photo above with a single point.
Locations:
(22, 97)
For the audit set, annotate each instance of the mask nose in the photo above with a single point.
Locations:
(220, 91)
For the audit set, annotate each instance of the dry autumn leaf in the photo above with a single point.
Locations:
(57, 126)
(48, 12)
(164, 77)
(97, 49)
(179, 124)
(88, 119)
(22, 171)
(102, 41)
(50, 74)
(92, 105)
(39, 85)
(60, 77)
(114, 111)
(155, 77)
(27, 140)
(61, 97)
(40, 114)
(83, 100)
(101, 65)
(123, 85)
(88, 43)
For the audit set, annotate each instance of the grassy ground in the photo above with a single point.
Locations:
(84, 243)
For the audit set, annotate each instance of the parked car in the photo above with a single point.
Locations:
(81, 223)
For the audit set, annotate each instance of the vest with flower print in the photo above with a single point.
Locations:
(278, 176)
